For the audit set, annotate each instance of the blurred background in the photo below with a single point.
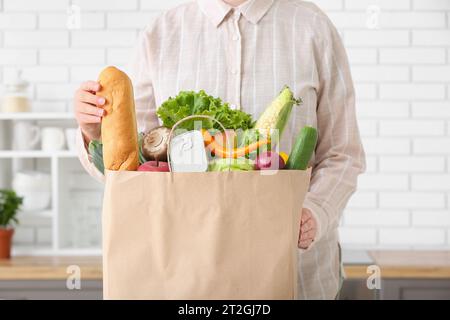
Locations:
(399, 53)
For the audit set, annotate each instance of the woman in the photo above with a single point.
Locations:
(245, 52)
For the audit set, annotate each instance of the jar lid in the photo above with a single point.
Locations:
(17, 83)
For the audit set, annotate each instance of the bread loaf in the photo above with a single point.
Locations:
(119, 129)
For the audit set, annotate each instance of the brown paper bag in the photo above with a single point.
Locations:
(213, 235)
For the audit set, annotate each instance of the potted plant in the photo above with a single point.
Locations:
(9, 206)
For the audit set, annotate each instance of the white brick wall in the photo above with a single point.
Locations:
(402, 73)
(402, 79)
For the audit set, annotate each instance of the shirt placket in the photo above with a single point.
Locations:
(236, 61)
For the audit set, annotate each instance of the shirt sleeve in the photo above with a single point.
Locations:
(339, 155)
(141, 77)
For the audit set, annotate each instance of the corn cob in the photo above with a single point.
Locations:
(276, 115)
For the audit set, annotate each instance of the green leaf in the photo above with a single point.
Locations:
(141, 154)
(188, 103)
(9, 206)
(96, 152)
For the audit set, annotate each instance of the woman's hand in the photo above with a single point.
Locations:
(88, 111)
(308, 229)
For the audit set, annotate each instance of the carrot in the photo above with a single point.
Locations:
(207, 137)
(222, 152)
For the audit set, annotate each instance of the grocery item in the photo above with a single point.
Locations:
(276, 115)
(222, 152)
(96, 152)
(188, 103)
(285, 156)
(187, 153)
(155, 166)
(119, 131)
(140, 142)
(154, 144)
(303, 149)
(228, 164)
(269, 160)
(250, 145)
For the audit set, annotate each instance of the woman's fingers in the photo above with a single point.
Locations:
(87, 109)
(304, 244)
(308, 225)
(88, 97)
(92, 86)
(308, 235)
(306, 215)
(306, 239)
(87, 118)
(90, 109)
(307, 229)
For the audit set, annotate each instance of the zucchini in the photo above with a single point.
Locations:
(303, 149)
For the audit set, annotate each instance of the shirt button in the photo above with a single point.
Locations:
(235, 38)
(234, 71)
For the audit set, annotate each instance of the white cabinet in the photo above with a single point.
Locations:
(71, 224)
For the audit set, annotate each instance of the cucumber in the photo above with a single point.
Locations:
(303, 149)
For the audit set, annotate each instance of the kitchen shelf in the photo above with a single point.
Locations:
(36, 214)
(36, 116)
(5, 154)
(72, 195)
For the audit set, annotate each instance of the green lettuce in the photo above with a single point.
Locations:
(239, 164)
(188, 103)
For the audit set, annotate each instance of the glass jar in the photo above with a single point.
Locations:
(15, 97)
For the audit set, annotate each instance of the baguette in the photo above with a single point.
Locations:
(119, 128)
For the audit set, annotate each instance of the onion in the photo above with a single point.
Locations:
(269, 160)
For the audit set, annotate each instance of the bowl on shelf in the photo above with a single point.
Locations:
(35, 188)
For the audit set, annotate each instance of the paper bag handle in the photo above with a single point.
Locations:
(202, 116)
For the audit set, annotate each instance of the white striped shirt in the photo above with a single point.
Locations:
(246, 56)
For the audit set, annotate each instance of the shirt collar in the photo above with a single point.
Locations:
(217, 10)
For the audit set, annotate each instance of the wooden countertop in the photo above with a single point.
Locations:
(49, 268)
(405, 265)
(393, 264)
